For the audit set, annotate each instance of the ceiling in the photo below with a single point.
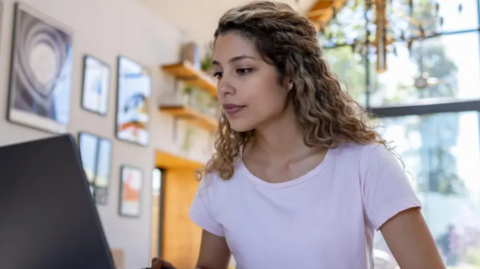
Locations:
(198, 18)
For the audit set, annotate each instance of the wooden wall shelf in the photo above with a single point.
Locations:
(166, 160)
(191, 116)
(186, 72)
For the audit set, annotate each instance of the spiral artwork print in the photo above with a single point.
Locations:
(40, 82)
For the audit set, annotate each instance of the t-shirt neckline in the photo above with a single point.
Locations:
(288, 183)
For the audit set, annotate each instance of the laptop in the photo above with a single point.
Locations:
(48, 219)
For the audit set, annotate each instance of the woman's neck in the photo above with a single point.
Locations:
(279, 139)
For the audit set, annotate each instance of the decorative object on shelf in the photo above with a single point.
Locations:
(205, 104)
(191, 53)
(187, 95)
(207, 62)
(131, 184)
(96, 155)
(96, 85)
(41, 69)
(133, 93)
(189, 104)
(196, 102)
(187, 140)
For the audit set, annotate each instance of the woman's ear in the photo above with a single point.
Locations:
(288, 83)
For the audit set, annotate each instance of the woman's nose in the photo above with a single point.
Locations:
(225, 88)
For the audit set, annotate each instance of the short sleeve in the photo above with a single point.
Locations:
(387, 190)
(201, 209)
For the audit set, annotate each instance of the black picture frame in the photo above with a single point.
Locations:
(135, 207)
(89, 62)
(138, 120)
(100, 177)
(39, 94)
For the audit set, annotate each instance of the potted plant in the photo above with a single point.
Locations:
(206, 62)
(187, 95)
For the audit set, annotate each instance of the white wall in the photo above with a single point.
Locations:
(106, 29)
(204, 14)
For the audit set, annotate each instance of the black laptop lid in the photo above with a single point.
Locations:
(48, 219)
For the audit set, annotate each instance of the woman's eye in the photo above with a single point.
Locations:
(217, 75)
(243, 71)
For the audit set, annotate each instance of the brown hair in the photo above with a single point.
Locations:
(287, 40)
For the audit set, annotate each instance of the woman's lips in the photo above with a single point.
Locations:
(232, 109)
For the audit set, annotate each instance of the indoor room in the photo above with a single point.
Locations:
(136, 84)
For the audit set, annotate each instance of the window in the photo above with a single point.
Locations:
(441, 153)
(445, 66)
(433, 51)
(428, 102)
(349, 67)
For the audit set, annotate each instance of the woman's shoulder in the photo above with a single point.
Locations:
(214, 180)
(360, 150)
(362, 155)
(369, 156)
(208, 179)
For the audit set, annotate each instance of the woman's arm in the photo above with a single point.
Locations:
(410, 241)
(214, 252)
(393, 207)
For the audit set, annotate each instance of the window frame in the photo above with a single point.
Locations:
(438, 105)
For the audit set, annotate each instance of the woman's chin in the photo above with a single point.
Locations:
(240, 126)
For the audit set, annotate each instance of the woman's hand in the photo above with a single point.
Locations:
(158, 263)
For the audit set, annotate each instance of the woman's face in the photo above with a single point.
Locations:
(248, 87)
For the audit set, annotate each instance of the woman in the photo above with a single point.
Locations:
(299, 179)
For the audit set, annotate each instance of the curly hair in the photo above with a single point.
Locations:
(328, 116)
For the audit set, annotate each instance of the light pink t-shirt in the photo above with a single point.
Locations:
(324, 219)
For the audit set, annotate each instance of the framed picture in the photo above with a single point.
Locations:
(96, 85)
(133, 93)
(96, 155)
(41, 69)
(130, 191)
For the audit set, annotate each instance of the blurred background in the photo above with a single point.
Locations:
(129, 79)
